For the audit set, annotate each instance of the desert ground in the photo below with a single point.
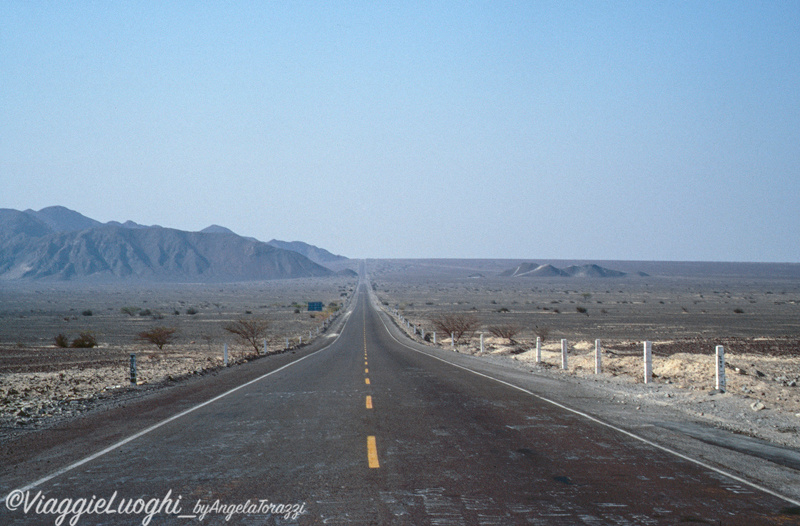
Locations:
(40, 381)
(685, 310)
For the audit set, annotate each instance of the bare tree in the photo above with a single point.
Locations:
(507, 331)
(459, 325)
(158, 336)
(249, 331)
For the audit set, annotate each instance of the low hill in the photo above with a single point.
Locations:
(534, 270)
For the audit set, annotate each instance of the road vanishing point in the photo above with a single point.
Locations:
(366, 427)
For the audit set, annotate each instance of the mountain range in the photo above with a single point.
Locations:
(57, 243)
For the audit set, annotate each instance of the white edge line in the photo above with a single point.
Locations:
(597, 421)
(168, 420)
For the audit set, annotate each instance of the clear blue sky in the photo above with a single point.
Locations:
(589, 130)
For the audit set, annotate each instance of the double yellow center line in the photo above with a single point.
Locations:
(372, 448)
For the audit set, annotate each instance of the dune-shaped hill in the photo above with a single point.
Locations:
(534, 270)
(592, 271)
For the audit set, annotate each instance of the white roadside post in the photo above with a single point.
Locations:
(648, 362)
(720, 368)
(133, 369)
(265, 346)
(538, 349)
(434, 337)
(287, 344)
(452, 340)
(225, 355)
(481, 342)
(563, 354)
(597, 364)
(301, 341)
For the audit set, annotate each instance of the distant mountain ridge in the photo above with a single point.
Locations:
(319, 255)
(56, 243)
(581, 271)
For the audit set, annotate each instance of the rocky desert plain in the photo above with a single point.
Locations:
(41, 383)
(684, 309)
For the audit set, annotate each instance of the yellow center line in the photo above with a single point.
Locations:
(372, 453)
(366, 371)
(369, 402)
(366, 380)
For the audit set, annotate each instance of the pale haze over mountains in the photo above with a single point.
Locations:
(56, 243)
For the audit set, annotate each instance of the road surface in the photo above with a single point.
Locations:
(365, 429)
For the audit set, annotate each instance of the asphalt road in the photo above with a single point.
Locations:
(368, 430)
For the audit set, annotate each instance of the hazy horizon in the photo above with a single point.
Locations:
(596, 132)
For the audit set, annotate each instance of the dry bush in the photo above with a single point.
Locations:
(541, 332)
(86, 340)
(158, 336)
(459, 325)
(249, 331)
(507, 331)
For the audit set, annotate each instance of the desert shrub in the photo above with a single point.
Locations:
(250, 331)
(61, 341)
(738, 311)
(460, 325)
(86, 340)
(541, 332)
(130, 311)
(506, 331)
(87, 312)
(297, 311)
(191, 311)
(503, 309)
(145, 312)
(159, 336)
(582, 310)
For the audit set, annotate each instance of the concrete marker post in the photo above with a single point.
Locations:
(133, 369)
(265, 346)
(563, 353)
(225, 355)
(434, 337)
(597, 363)
(287, 344)
(648, 362)
(452, 340)
(301, 341)
(720, 352)
(538, 349)
(481, 342)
